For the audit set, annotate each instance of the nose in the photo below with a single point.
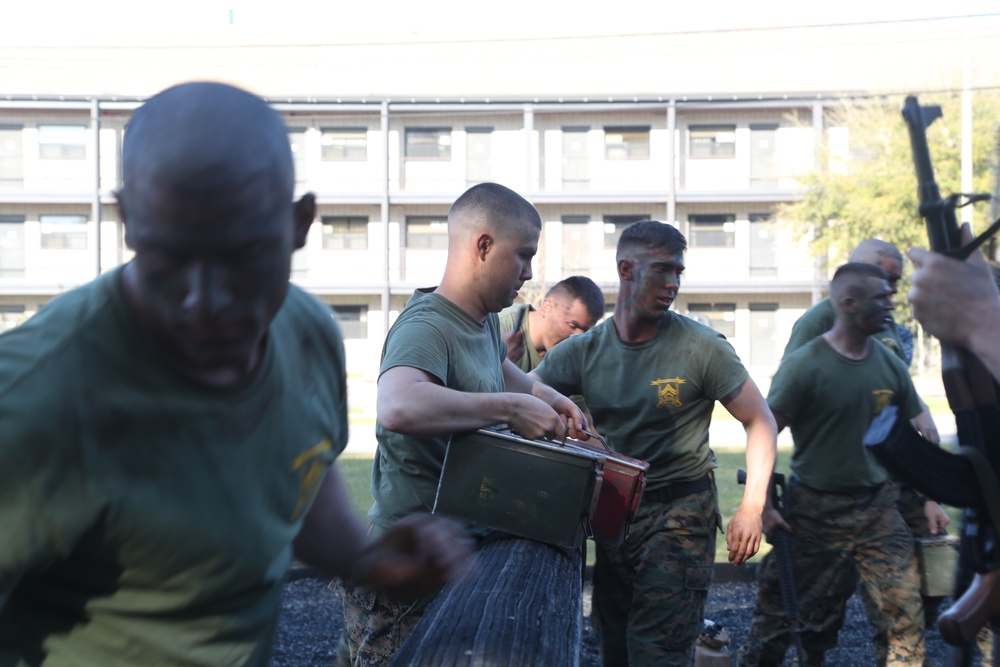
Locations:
(526, 272)
(206, 290)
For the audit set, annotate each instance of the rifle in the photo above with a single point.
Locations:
(966, 479)
(783, 557)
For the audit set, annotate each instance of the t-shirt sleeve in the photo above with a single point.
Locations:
(417, 343)
(725, 372)
(560, 368)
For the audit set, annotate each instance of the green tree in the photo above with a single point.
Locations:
(870, 189)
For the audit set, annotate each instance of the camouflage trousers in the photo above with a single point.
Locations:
(650, 592)
(374, 626)
(834, 535)
(911, 507)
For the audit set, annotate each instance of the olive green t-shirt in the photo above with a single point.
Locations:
(436, 336)
(146, 518)
(819, 319)
(829, 402)
(508, 319)
(653, 400)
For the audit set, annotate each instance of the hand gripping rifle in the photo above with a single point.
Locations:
(783, 559)
(966, 479)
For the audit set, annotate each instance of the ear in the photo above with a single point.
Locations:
(547, 306)
(625, 267)
(304, 212)
(484, 243)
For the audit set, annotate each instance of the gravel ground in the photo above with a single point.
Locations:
(310, 625)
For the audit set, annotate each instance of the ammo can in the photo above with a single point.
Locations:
(530, 488)
(621, 490)
(937, 558)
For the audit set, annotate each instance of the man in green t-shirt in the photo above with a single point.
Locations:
(571, 306)
(840, 506)
(819, 319)
(924, 516)
(168, 431)
(651, 378)
(444, 370)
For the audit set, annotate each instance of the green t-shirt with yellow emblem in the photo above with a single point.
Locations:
(653, 400)
(829, 402)
(434, 335)
(147, 519)
(819, 319)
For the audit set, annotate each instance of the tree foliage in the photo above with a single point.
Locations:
(871, 191)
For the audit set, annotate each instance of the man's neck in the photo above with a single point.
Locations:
(631, 328)
(463, 300)
(534, 318)
(848, 343)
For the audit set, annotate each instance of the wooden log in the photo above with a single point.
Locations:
(519, 605)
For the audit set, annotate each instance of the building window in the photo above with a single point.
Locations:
(427, 233)
(345, 232)
(62, 142)
(721, 316)
(712, 231)
(615, 224)
(428, 143)
(344, 144)
(712, 141)
(626, 143)
(63, 232)
(353, 321)
(300, 157)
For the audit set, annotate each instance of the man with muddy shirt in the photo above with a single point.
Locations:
(651, 378)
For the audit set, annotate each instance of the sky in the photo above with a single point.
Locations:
(124, 22)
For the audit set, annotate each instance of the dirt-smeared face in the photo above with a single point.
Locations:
(209, 274)
(564, 318)
(655, 275)
(874, 306)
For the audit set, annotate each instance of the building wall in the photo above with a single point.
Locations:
(715, 173)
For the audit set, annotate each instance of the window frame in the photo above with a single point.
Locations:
(48, 228)
(704, 144)
(347, 152)
(351, 239)
(695, 235)
(435, 240)
(61, 150)
(635, 149)
(441, 156)
(620, 222)
(351, 328)
(707, 309)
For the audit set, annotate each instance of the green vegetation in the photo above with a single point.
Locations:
(874, 194)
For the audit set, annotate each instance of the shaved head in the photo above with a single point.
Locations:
(876, 251)
(491, 207)
(851, 280)
(196, 140)
(207, 208)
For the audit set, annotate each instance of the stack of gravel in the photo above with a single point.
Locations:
(311, 622)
